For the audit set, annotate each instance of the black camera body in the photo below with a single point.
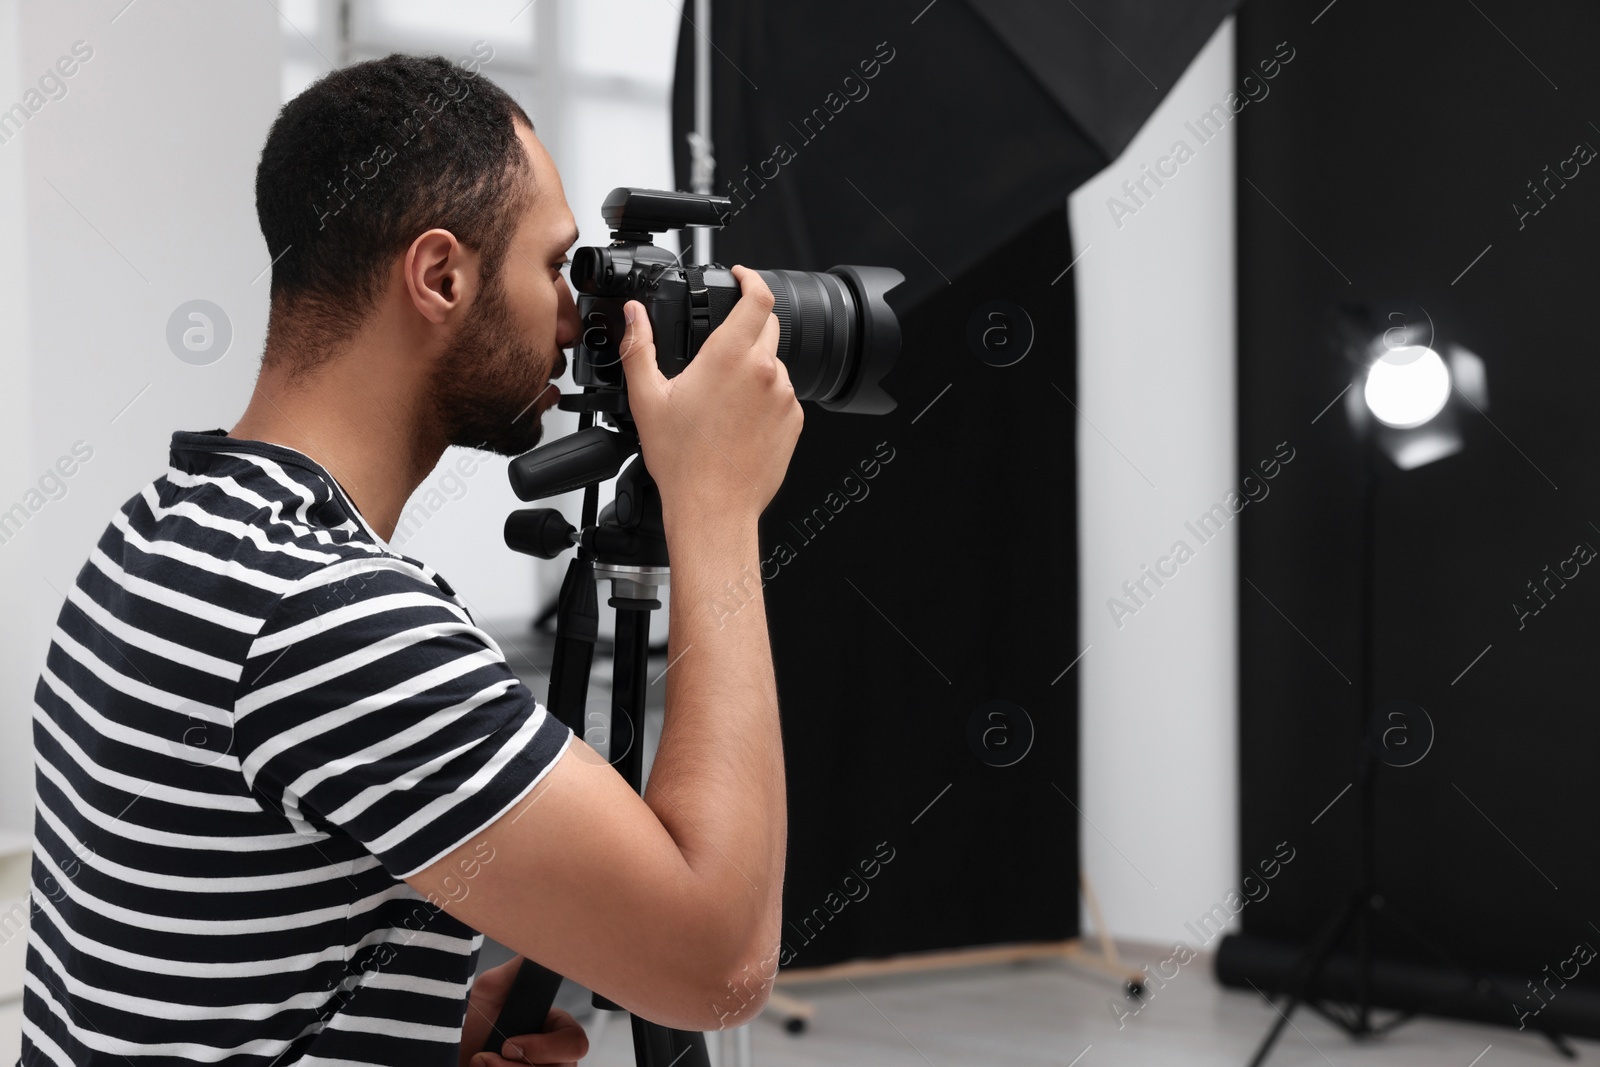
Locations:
(837, 334)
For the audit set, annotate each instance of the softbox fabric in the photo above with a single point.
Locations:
(944, 128)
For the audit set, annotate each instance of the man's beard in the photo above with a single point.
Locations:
(487, 381)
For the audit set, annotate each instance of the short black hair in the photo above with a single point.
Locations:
(363, 161)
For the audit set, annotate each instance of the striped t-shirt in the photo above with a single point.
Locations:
(254, 720)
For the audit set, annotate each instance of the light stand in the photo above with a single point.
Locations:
(1402, 407)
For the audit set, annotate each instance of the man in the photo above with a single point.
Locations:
(285, 784)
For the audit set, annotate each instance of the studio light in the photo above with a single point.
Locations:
(1405, 401)
(1407, 398)
(1407, 386)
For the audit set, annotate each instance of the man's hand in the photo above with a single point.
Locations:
(717, 437)
(562, 1044)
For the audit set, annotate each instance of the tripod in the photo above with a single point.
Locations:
(1365, 907)
(625, 544)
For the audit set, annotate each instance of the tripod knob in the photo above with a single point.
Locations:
(541, 532)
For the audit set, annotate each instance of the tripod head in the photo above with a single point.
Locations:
(626, 541)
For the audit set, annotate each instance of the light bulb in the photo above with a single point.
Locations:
(1407, 386)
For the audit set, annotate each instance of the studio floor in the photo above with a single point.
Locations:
(1050, 1014)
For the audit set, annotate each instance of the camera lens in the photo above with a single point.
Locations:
(837, 334)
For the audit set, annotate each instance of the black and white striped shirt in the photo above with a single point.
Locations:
(254, 720)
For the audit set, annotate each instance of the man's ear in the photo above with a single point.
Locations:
(440, 275)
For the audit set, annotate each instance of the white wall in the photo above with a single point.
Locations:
(1156, 380)
(137, 188)
(16, 757)
(17, 622)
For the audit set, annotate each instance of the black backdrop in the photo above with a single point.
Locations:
(922, 633)
(951, 581)
(1392, 152)
(950, 584)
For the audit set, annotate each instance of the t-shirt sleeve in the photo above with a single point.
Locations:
(370, 704)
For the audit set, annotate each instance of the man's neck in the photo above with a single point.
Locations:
(361, 426)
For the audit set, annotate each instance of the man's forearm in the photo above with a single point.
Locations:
(717, 783)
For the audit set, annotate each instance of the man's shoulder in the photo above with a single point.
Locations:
(356, 578)
(381, 627)
(262, 536)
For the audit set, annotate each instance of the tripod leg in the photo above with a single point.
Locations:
(1310, 969)
(1560, 1042)
(526, 1006)
(629, 671)
(577, 626)
(1481, 982)
(653, 1045)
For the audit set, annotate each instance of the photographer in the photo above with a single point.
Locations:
(285, 782)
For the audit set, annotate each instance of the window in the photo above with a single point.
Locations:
(595, 75)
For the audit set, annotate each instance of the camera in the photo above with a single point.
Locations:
(837, 335)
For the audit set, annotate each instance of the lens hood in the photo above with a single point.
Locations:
(878, 344)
